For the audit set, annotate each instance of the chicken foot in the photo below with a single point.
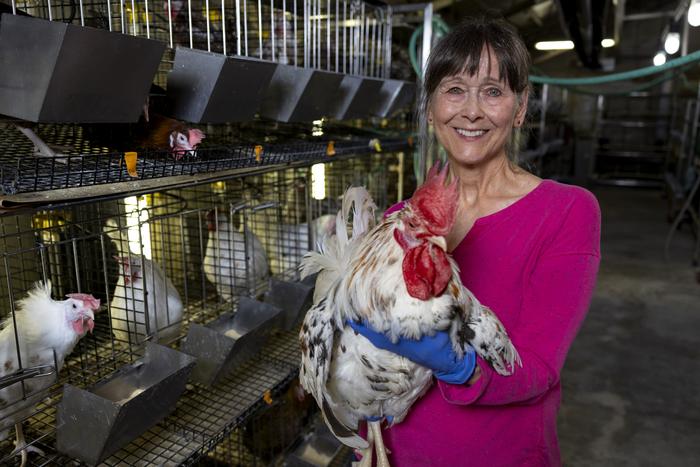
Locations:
(21, 447)
(376, 444)
(40, 147)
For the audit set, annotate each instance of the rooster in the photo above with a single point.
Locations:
(397, 278)
(46, 330)
(234, 259)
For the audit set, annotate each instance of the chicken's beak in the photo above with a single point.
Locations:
(439, 241)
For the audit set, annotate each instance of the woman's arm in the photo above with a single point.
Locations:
(555, 301)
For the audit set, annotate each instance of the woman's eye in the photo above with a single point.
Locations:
(493, 92)
(454, 90)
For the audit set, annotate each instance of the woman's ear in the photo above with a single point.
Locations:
(522, 109)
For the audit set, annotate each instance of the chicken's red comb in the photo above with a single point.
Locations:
(195, 136)
(437, 202)
(92, 302)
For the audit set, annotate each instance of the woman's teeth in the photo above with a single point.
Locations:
(470, 133)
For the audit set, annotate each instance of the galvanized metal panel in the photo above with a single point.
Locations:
(212, 88)
(56, 72)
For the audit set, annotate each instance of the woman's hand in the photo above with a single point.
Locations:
(433, 352)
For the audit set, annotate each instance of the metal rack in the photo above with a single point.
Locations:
(85, 164)
(74, 244)
(348, 36)
(632, 136)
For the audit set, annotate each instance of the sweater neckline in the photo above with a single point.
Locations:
(503, 213)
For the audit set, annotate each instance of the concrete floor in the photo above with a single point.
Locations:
(631, 384)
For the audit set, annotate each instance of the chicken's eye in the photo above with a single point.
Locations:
(182, 139)
(74, 305)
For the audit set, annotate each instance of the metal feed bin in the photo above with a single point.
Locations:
(300, 94)
(394, 95)
(207, 87)
(293, 298)
(358, 97)
(93, 424)
(56, 72)
(229, 341)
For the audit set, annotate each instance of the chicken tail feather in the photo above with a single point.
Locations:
(344, 434)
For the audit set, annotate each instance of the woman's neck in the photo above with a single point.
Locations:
(494, 178)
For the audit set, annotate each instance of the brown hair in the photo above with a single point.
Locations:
(460, 51)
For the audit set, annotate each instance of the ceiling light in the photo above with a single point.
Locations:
(659, 58)
(606, 43)
(554, 45)
(694, 13)
(672, 43)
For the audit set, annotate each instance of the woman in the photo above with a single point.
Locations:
(527, 248)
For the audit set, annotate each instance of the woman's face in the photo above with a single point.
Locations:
(473, 116)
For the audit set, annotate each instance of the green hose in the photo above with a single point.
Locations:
(442, 28)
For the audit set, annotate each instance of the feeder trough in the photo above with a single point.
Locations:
(229, 341)
(293, 298)
(207, 87)
(393, 96)
(95, 423)
(56, 72)
(358, 97)
(300, 94)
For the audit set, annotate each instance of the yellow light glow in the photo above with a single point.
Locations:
(318, 181)
(137, 214)
(659, 59)
(607, 43)
(554, 45)
(218, 187)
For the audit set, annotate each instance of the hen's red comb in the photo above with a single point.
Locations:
(92, 302)
(437, 202)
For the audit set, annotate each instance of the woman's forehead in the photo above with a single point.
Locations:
(488, 69)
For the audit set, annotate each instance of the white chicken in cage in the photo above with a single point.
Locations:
(235, 260)
(145, 301)
(34, 343)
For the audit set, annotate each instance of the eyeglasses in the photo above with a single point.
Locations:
(489, 95)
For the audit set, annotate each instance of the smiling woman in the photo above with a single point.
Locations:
(527, 248)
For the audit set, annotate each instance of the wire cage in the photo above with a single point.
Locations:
(342, 36)
(162, 260)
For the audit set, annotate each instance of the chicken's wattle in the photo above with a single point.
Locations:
(426, 271)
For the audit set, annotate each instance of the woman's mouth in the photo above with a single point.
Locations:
(470, 133)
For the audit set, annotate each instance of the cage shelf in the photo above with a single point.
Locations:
(84, 165)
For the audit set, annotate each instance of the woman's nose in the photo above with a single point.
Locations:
(472, 108)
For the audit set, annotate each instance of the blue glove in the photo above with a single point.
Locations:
(433, 352)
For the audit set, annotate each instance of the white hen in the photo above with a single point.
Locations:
(235, 261)
(46, 331)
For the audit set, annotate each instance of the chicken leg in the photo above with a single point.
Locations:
(40, 147)
(21, 446)
(376, 428)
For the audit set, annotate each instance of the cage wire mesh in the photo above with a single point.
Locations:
(161, 261)
(343, 36)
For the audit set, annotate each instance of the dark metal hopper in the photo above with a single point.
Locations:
(394, 96)
(56, 72)
(229, 341)
(95, 423)
(294, 298)
(212, 88)
(359, 97)
(300, 94)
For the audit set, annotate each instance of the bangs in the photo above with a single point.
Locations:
(461, 51)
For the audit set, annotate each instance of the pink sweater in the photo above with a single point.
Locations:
(534, 264)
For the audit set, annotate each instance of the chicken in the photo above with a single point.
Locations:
(46, 330)
(235, 260)
(286, 244)
(128, 309)
(397, 277)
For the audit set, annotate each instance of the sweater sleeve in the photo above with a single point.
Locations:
(555, 302)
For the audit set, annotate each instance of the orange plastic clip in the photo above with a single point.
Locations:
(267, 397)
(258, 152)
(130, 159)
(330, 149)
